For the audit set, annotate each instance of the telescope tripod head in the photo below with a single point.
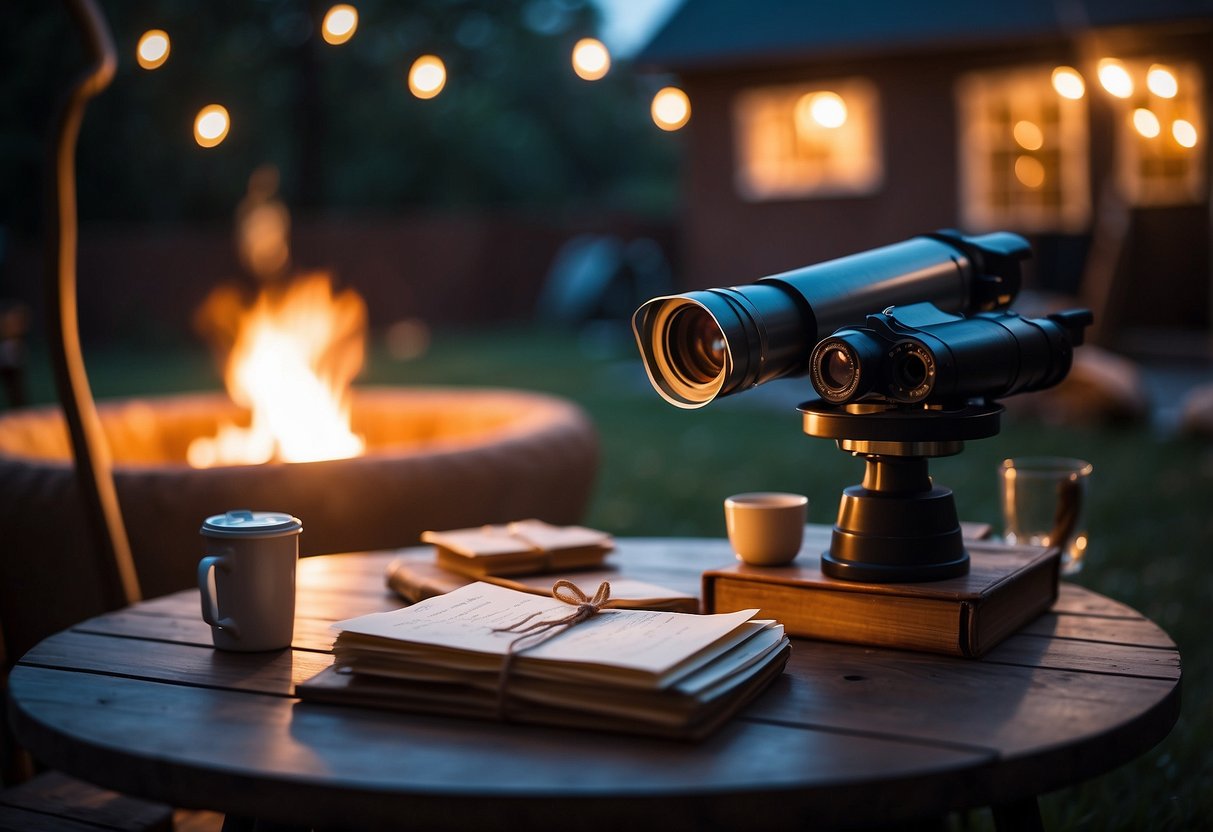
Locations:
(897, 525)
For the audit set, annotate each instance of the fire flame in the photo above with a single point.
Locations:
(292, 355)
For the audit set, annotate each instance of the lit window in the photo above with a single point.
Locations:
(1160, 157)
(1024, 150)
(808, 140)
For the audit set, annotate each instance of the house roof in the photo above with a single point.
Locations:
(712, 33)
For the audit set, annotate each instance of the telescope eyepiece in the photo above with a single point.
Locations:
(840, 367)
(917, 355)
(911, 372)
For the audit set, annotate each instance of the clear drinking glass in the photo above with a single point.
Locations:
(1044, 503)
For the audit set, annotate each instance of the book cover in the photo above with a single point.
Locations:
(1007, 586)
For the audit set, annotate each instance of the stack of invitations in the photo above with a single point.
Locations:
(641, 671)
(524, 547)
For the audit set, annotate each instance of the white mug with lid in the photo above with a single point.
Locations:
(247, 578)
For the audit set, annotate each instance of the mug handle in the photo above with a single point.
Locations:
(210, 607)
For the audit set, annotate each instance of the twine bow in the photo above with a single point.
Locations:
(562, 590)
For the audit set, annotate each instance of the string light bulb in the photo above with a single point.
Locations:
(211, 125)
(671, 109)
(824, 109)
(1115, 78)
(1146, 123)
(427, 76)
(1184, 132)
(340, 23)
(1162, 81)
(153, 49)
(1068, 83)
(591, 59)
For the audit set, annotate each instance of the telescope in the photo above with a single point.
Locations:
(907, 346)
(702, 345)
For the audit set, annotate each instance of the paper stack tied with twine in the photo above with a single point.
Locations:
(523, 547)
(568, 659)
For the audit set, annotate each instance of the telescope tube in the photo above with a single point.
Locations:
(702, 345)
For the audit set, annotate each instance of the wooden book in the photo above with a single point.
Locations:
(1007, 586)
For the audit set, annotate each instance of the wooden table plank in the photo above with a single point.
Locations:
(1140, 632)
(310, 634)
(1031, 650)
(274, 672)
(1019, 713)
(1078, 600)
(320, 604)
(305, 763)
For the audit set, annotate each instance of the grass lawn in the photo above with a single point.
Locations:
(665, 471)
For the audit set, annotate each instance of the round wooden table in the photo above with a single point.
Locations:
(137, 700)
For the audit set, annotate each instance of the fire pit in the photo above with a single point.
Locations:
(435, 458)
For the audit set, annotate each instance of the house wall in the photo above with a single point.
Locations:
(1159, 271)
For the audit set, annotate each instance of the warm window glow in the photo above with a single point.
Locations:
(823, 109)
(1029, 171)
(340, 23)
(1146, 123)
(1028, 135)
(1068, 83)
(153, 48)
(1155, 162)
(1184, 132)
(1024, 162)
(211, 125)
(808, 140)
(591, 60)
(427, 76)
(1115, 78)
(671, 108)
(1162, 81)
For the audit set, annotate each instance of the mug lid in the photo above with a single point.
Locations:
(245, 523)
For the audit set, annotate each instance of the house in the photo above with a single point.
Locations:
(820, 129)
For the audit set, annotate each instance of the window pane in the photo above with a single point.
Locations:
(806, 140)
(1023, 153)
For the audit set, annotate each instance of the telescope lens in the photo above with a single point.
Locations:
(911, 371)
(695, 346)
(837, 370)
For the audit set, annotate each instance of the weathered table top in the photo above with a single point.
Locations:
(139, 701)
